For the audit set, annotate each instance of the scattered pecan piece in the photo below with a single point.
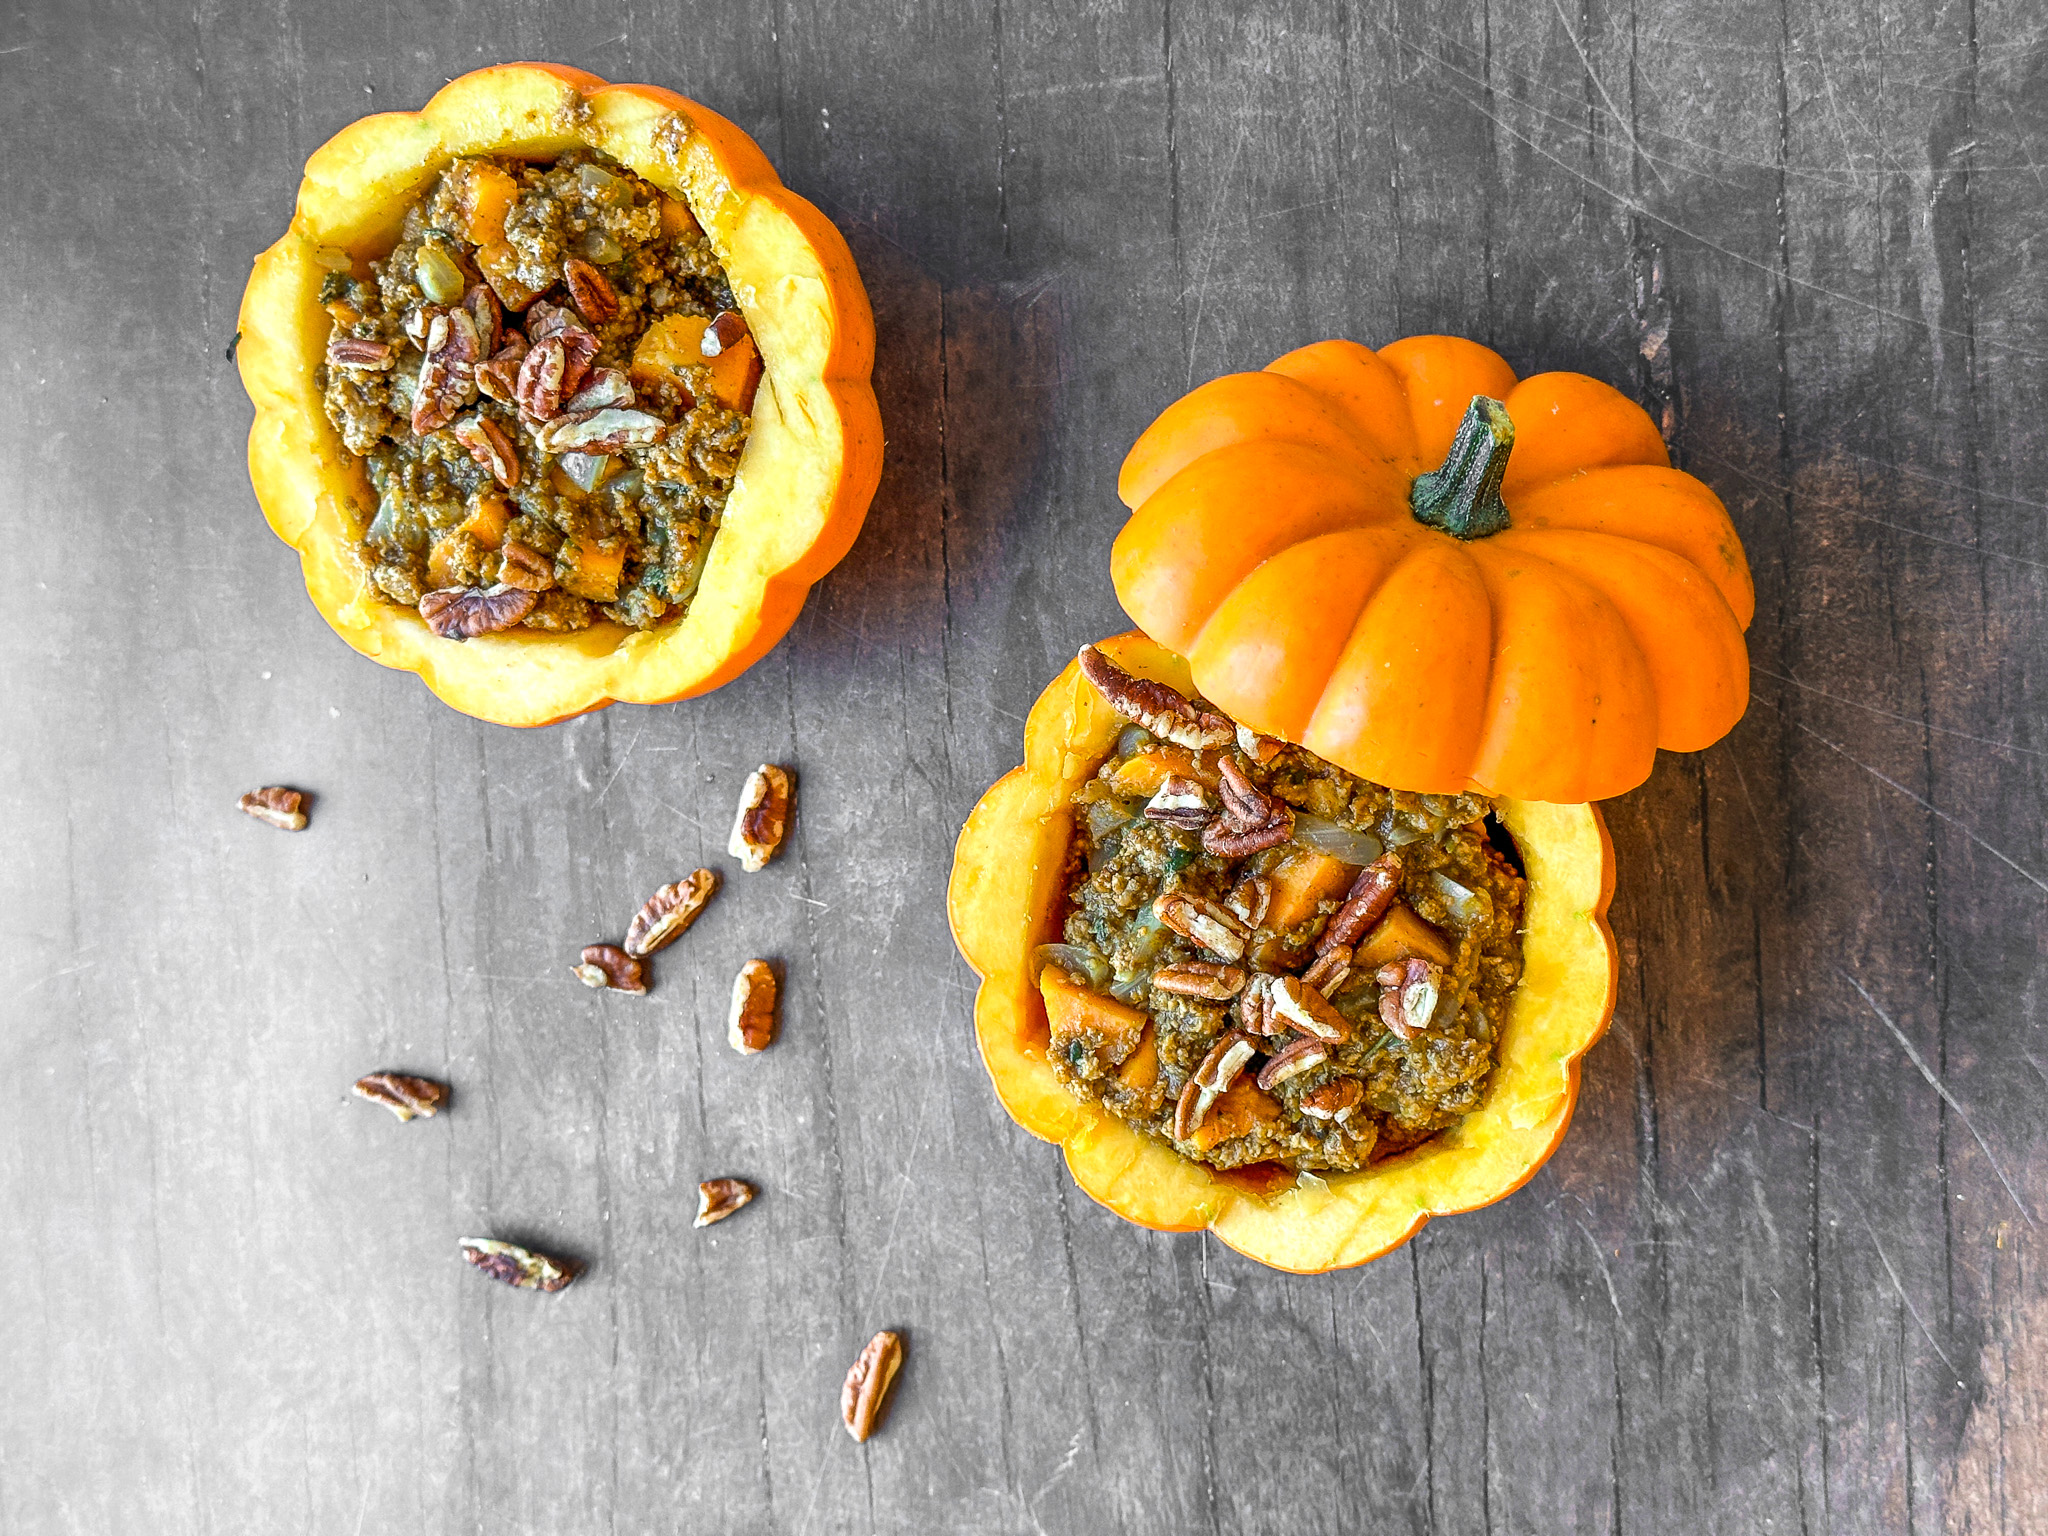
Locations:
(590, 291)
(602, 431)
(1334, 1100)
(1370, 896)
(1412, 989)
(516, 1266)
(276, 806)
(487, 315)
(522, 566)
(1251, 820)
(1260, 749)
(1165, 712)
(418, 321)
(358, 353)
(763, 818)
(463, 613)
(1182, 803)
(1199, 978)
(1219, 1069)
(447, 379)
(490, 447)
(610, 967)
(403, 1096)
(538, 388)
(728, 330)
(499, 378)
(1332, 968)
(1306, 1009)
(579, 347)
(719, 1198)
(605, 387)
(1255, 1007)
(1300, 1057)
(867, 1384)
(1250, 898)
(1202, 923)
(751, 1028)
(670, 910)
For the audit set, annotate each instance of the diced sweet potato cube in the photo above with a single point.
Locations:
(1143, 774)
(447, 560)
(677, 221)
(1401, 935)
(672, 351)
(499, 263)
(1109, 1028)
(1301, 880)
(487, 520)
(1244, 1106)
(1141, 1069)
(484, 194)
(591, 568)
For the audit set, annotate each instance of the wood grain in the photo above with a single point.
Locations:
(1778, 1278)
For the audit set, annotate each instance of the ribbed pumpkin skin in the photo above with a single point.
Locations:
(1271, 543)
(812, 460)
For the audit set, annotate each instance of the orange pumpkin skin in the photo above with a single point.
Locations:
(812, 459)
(1271, 542)
(1004, 899)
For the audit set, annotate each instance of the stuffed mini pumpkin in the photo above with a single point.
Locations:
(1292, 924)
(524, 633)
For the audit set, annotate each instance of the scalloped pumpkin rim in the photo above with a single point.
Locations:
(813, 455)
(1004, 889)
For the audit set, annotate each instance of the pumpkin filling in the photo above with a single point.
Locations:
(1268, 959)
(548, 383)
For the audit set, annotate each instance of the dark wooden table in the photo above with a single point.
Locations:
(1781, 1276)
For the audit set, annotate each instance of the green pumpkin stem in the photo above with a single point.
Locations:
(1463, 498)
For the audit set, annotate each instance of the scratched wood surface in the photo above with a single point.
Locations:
(1780, 1277)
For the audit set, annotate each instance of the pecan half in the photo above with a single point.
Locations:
(1227, 1058)
(522, 566)
(1413, 987)
(867, 1384)
(516, 1266)
(1332, 968)
(1300, 1057)
(276, 806)
(499, 378)
(728, 330)
(1306, 1009)
(1367, 902)
(610, 967)
(1199, 978)
(602, 431)
(403, 1096)
(604, 387)
(487, 315)
(1260, 749)
(358, 353)
(538, 387)
(763, 819)
(1250, 898)
(590, 290)
(1335, 1100)
(1255, 1007)
(579, 347)
(463, 613)
(751, 1026)
(1202, 923)
(1165, 712)
(418, 321)
(1182, 803)
(447, 379)
(1251, 820)
(670, 910)
(490, 447)
(719, 1198)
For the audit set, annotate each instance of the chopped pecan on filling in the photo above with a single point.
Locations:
(1268, 958)
(548, 381)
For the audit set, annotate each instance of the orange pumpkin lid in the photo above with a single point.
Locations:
(1435, 576)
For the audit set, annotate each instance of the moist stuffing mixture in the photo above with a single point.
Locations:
(548, 381)
(1266, 958)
